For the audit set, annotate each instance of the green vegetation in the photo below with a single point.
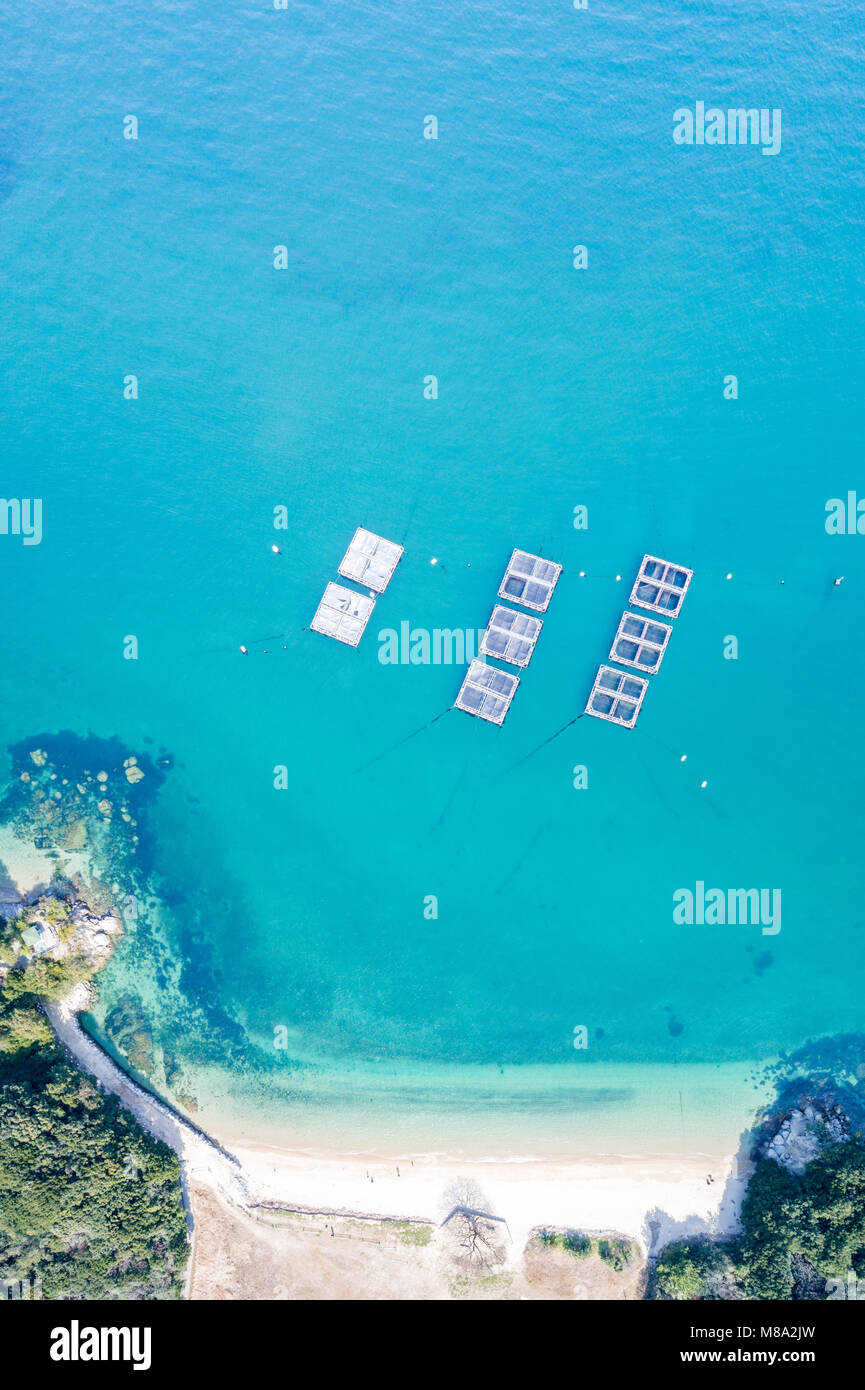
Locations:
(10, 932)
(89, 1203)
(616, 1253)
(698, 1268)
(492, 1286)
(43, 978)
(411, 1232)
(577, 1244)
(797, 1234)
(613, 1250)
(55, 910)
(819, 1218)
(52, 908)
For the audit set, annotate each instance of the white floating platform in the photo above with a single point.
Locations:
(640, 642)
(616, 696)
(511, 636)
(343, 614)
(370, 560)
(530, 580)
(660, 585)
(487, 692)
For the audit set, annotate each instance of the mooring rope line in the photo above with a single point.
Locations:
(393, 747)
(295, 632)
(412, 511)
(539, 746)
(759, 582)
(525, 854)
(245, 647)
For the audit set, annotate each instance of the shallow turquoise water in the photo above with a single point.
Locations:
(303, 388)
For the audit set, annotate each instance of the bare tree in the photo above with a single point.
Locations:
(477, 1235)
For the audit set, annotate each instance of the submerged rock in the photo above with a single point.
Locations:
(76, 835)
(172, 1070)
(128, 1027)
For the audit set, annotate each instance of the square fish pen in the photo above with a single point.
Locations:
(530, 580)
(616, 696)
(487, 692)
(511, 636)
(660, 585)
(640, 642)
(370, 560)
(343, 614)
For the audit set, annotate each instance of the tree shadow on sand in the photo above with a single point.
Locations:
(660, 1228)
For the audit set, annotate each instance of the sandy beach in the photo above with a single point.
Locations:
(651, 1199)
(28, 868)
(233, 1180)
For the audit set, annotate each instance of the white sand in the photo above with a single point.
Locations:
(28, 867)
(652, 1199)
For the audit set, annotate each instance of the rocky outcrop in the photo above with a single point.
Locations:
(58, 925)
(805, 1131)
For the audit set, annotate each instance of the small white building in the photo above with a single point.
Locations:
(39, 938)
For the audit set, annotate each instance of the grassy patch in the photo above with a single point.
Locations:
(613, 1250)
(411, 1232)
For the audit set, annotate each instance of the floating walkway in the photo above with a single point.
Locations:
(639, 643)
(344, 613)
(487, 691)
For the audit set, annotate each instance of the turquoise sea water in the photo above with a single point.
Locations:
(303, 388)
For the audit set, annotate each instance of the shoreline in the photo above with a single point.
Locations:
(651, 1198)
(580, 1118)
(590, 1181)
(650, 1201)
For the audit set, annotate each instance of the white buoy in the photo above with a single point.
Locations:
(582, 574)
(729, 576)
(275, 549)
(684, 758)
(434, 560)
(704, 784)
